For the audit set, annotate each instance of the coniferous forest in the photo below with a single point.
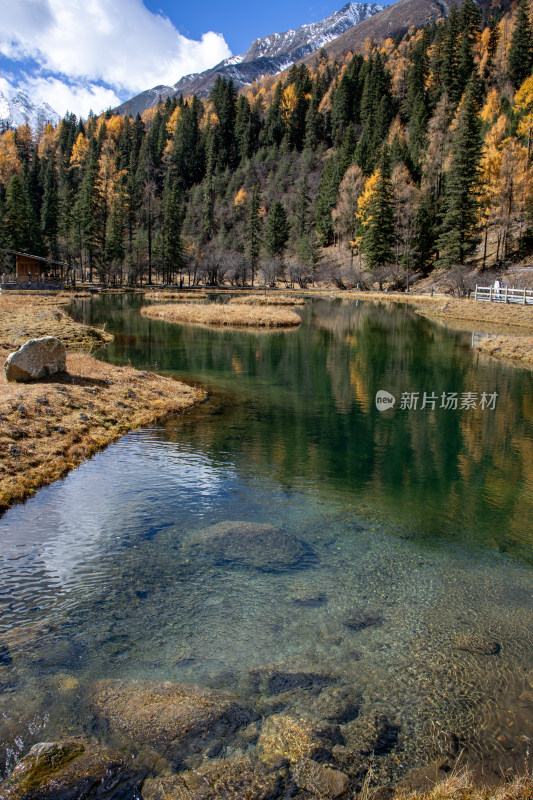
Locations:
(411, 156)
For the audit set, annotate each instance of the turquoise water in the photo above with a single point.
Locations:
(418, 520)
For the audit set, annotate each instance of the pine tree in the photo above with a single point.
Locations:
(171, 232)
(17, 236)
(88, 203)
(243, 128)
(378, 231)
(253, 228)
(459, 233)
(469, 21)
(50, 209)
(224, 98)
(312, 121)
(326, 198)
(274, 129)
(302, 210)
(520, 57)
(276, 230)
(115, 232)
(450, 57)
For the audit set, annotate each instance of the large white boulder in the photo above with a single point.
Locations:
(36, 359)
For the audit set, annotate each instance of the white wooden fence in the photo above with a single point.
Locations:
(504, 294)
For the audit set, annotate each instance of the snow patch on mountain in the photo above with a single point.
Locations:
(314, 35)
(20, 110)
(268, 55)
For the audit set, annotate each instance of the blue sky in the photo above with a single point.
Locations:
(79, 55)
(241, 23)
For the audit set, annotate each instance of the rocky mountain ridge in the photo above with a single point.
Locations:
(268, 55)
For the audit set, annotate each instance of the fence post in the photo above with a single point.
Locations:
(475, 293)
(490, 294)
(524, 298)
(506, 290)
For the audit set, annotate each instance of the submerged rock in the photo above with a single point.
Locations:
(477, 643)
(71, 770)
(313, 601)
(243, 779)
(271, 681)
(319, 780)
(5, 656)
(287, 736)
(359, 620)
(250, 544)
(174, 719)
(370, 736)
(36, 359)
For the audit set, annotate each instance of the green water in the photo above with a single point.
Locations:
(421, 517)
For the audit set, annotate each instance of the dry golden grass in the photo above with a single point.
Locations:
(48, 428)
(513, 348)
(30, 316)
(460, 786)
(513, 314)
(180, 297)
(267, 300)
(224, 315)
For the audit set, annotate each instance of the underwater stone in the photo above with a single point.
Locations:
(378, 735)
(250, 544)
(291, 737)
(322, 781)
(5, 656)
(313, 601)
(71, 769)
(359, 620)
(272, 681)
(223, 780)
(174, 719)
(477, 644)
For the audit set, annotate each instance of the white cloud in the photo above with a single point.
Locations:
(74, 97)
(119, 42)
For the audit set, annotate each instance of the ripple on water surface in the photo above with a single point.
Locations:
(401, 587)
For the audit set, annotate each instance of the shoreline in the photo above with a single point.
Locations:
(50, 427)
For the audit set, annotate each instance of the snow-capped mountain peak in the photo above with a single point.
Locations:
(268, 55)
(312, 36)
(20, 110)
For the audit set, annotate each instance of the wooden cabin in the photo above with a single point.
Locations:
(37, 270)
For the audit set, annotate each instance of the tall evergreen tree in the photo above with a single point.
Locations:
(378, 233)
(50, 209)
(253, 228)
(521, 48)
(276, 230)
(459, 233)
(171, 232)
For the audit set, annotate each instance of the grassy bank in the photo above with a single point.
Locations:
(180, 297)
(267, 300)
(49, 427)
(461, 786)
(224, 315)
(510, 348)
(26, 316)
(513, 314)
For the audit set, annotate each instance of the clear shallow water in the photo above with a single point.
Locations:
(423, 518)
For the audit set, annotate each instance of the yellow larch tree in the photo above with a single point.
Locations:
(524, 105)
(9, 157)
(79, 151)
(240, 198)
(366, 197)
